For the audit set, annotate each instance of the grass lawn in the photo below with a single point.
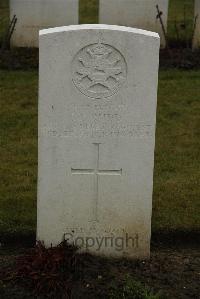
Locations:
(181, 13)
(4, 17)
(177, 172)
(88, 11)
(176, 202)
(18, 143)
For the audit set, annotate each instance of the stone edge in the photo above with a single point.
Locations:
(96, 27)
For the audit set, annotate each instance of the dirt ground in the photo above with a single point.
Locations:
(173, 270)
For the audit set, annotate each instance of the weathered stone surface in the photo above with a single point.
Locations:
(33, 15)
(97, 117)
(134, 13)
(196, 40)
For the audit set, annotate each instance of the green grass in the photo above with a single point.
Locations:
(176, 202)
(181, 12)
(88, 11)
(4, 17)
(177, 7)
(177, 171)
(132, 289)
(18, 143)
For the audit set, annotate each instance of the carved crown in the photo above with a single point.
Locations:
(99, 50)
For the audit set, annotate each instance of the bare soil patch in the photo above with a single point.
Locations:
(172, 271)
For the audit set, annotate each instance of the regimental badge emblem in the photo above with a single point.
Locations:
(99, 70)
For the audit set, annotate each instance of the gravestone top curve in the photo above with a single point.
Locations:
(98, 26)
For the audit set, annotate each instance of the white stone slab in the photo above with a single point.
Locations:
(97, 117)
(33, 15)
(196, 40)
(134, 13)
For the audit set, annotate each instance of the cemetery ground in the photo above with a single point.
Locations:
(175, 245)
(174, 268)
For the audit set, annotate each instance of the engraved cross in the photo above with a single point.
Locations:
(97, 172)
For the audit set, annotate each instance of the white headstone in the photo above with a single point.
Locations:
(135, 13)
(33, 15)
(97, 117)
(196, 41)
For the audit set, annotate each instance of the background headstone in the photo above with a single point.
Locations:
(97, 117)
(134, 13)
(196, 41)
(33, 15)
